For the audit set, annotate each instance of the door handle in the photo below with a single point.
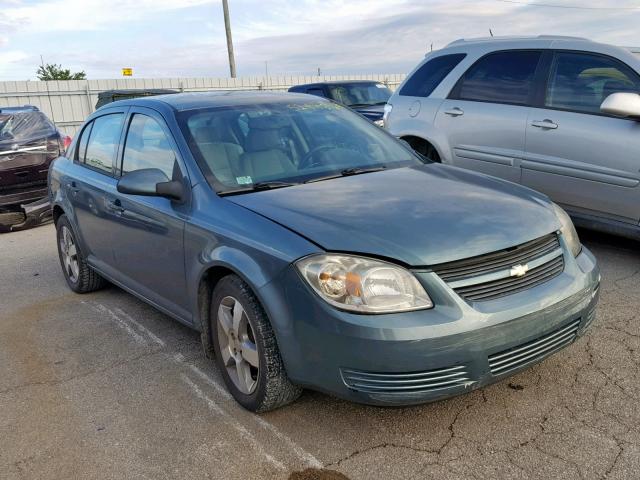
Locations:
(546, 123)
(115, 206)
(73, 187)
(454, 112)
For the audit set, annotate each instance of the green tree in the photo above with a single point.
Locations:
(56, 72)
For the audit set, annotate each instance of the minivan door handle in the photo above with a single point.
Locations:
(546, 123)
(454, 112)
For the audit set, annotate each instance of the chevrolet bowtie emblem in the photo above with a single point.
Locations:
(519, 270)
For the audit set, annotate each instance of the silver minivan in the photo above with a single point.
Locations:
(558, 114)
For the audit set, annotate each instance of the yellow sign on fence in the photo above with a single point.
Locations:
(127, 72)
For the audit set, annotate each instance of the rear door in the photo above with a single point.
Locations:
(485, 115)
(583, 159)
(148, 241)
(91, 189)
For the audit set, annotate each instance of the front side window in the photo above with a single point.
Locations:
(425, 80)
(360, 94)
(287, 142)
(581, 82)
(147, 146)
(502, 77)
(103, 142)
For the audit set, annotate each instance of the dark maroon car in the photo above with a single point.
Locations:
(29, 142)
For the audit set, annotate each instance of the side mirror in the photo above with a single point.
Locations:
(622, 104)
(150, 182)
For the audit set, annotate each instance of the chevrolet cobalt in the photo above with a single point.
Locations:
(312, 249)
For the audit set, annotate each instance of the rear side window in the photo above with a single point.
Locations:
(82, 144)
(581, 81)
(425, 80)
(147, 146)
(502, 77)
(103, 142)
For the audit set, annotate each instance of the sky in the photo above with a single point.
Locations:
(185, 38)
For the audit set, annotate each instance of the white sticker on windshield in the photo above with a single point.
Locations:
(244, 180)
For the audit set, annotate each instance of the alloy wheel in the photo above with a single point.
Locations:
(69, 253)
(237, 344)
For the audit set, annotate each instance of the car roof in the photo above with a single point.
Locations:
(198, 100)
(336, 82)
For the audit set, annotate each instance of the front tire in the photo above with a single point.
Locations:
(80, 277)
(246, 350)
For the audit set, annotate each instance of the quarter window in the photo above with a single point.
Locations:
(502, 77)
(147, 146)
(318, 92)
(581, 82)
(425, 80)
(103, 142)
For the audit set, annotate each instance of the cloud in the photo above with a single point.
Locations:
(162, 38)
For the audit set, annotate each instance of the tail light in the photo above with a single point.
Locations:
(65, 141)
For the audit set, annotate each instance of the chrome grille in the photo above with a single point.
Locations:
(533, 351)
(487, 277)
(370, 382)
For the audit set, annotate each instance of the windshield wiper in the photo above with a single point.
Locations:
(347, 172)
(358, 170)
(258, 186)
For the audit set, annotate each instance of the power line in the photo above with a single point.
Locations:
(573, 7)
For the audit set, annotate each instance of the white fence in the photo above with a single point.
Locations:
(68, 103)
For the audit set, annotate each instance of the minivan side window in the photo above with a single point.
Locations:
(103, 142)
(580, 82)
(501, 77)
(147, 146)
(425, 80)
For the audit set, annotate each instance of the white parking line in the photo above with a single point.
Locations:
(126, 322)
(119, 322)
(214, 407)
(141, 327)
(302, 454)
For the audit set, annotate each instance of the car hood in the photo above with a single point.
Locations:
(419, 216)
(374, 112)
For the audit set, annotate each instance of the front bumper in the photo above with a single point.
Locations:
(422, 356)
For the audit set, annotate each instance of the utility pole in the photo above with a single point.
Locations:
(227, 27)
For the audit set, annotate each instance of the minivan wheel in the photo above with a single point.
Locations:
(246, 350)
(80, 277)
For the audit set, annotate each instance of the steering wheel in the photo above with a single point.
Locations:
(307, 160)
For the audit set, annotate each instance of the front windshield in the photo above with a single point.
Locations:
(360, 94)
(243, 146)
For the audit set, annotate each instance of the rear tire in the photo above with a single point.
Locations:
(246, 350)
(80, 277)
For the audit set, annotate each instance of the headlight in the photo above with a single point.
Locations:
(385, 116)
(363, 285)
(568, 230)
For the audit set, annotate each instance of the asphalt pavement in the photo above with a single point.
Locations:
(102, 386)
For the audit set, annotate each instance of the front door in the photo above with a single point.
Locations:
(485, 115)
(587, 161)
(149, 247)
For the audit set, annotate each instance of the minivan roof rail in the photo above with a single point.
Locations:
(507, 38)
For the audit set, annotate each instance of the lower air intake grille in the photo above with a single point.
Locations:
(369, 382)
(533, 351)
